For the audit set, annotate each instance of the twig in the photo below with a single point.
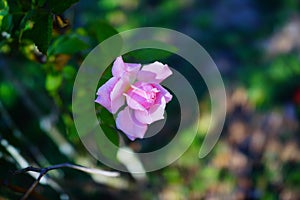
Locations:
(44, 171)
(33, 186)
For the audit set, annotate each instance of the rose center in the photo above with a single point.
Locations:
(145, 95)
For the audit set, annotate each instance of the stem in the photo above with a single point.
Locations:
(44, 171)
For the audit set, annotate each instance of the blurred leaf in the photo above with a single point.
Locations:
(41, 32)
(107, 118)
(107, 74)
(109, 151)
(18, 6)
(69, 72)
(101, 30)
(173, 176)
(70, 128)
(7, 93)
(2, 4)
(107, 124)
(67, 45)
(149, 55)
(53, 82)
(58, 7)
(111, 134)
(6, 24)
(209, 173)
(40, 3)
(3, 8)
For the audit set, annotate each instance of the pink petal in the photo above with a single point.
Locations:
(132, 67)
(146, 76)
(127, 123)
(155, 113)
(104, 93)
(163, 93)
(133, 104)
(116, 95)
(118, 67)
(162, 71)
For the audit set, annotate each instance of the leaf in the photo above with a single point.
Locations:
(157, 51)
(53, 82)
(3, 8)
(18, 6)
(69, 72)
(6, 24)
(107, 118)
(101, 30)
(107, 124)
(107, 74)
(41, 31)
(40, 3)
(149, 55)
(111, 134)
(2, 4)
(67, 45)
(27, 19)
(7, 93)
(58, 6)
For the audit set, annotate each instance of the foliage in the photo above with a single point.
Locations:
(43, 43)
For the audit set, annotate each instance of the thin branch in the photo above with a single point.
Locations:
(68, 165)
(33, 186)
(44, 171)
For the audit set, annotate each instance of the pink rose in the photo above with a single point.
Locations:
(110, 94)
(145, 98)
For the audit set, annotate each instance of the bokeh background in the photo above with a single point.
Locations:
(256, 46)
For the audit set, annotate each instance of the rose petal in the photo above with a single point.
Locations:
(127, 123)
(132, 103)
(155, 113)
(116, 95)
(163, 93)
(120, 68)
(160, 70)
(132, 67)
(146, 76)
(104, 93)
(131, 71)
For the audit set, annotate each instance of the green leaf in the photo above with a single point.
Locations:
(107, 124)
(40, 3)
(69, 72)
(2, 4)
(16, 6)
(107, 74)
(154, 52)
(111, 134)
(27, 19)
(6, 24)
(41, 31)
(58, 6)
(67, 45)
(7, 93)
(101, 30)
(53, 82)
(149, 55)
(107, 118)
(3, 8)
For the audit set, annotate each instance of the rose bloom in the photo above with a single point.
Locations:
(138, 88)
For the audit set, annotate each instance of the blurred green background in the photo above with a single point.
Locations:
(256, 46)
